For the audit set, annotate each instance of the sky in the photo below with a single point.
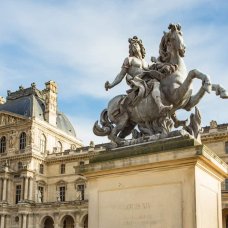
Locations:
(81, 44)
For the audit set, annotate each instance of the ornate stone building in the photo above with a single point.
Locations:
(216, 138)
(39, 153)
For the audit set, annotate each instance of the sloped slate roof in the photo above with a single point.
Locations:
(31, 105)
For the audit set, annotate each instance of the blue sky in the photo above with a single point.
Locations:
(81, 44)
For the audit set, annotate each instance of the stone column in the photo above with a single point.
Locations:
(24, 221)
(1, 188)
(4, 189)
(30, 220)
(77, 222)
(26, 189)
(2, 221)
(30, 188)
(9, 192)
(22, 189)
(78, 225)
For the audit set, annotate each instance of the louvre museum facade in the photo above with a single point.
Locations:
(39, 158)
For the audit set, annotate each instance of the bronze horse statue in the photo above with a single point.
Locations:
(175, 90)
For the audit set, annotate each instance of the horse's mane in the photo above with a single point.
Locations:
(163, 54)
(163, 64)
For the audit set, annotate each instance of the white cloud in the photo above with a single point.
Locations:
(90, 40)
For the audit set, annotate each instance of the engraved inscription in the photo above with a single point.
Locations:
(141, 207)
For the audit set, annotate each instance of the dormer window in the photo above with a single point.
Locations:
(22, 141)
(3, 144)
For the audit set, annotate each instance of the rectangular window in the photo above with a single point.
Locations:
(62, 191)
(41, 168)
(40, 194)
(226, 184)
(18, 193)
(81, 188)
(62, 168)
(82, 163)
(226, 147)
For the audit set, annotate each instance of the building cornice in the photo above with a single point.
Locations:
(214, 137)
(57, 131)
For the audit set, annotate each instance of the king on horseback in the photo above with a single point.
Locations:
(135, 69)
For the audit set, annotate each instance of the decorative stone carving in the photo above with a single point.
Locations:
(213, 124)
(12, 139)
(157, 91)
(194, 128)
(6, 119)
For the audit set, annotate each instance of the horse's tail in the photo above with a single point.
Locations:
(106, 125)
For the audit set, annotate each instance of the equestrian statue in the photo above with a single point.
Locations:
(157, 91)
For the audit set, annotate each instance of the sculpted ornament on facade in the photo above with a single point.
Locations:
(213, 124)
(157, 91)
(12, 139)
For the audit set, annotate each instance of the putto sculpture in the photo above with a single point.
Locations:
(157, 91)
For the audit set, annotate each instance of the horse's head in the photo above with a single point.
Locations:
(172, 43)
(136, 47)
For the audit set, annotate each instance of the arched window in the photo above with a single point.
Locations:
(41, 168)
(42, 143)
(59, 146)
(22, 141)
(3, 144)
(226, 147)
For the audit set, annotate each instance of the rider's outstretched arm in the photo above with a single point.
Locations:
(119, 76)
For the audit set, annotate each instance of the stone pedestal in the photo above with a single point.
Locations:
(167, 184)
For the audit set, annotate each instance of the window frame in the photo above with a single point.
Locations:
(41, 168)
(59, 147)
(41, 189)
(18, 192)
(62, 193)
(23, 139)
(3, 145)
(62, 168)
(43, 143)
(226, 184)
(19, 165)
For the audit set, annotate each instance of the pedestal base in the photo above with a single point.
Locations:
(156, 187)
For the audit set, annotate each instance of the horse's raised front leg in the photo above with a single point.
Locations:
(194, 100)
(184, 88)
(206, 87)
(220, 91)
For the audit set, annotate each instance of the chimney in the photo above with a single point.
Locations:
(2, 100)
(51, 102)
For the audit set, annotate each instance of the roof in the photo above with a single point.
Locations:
(30, 103)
